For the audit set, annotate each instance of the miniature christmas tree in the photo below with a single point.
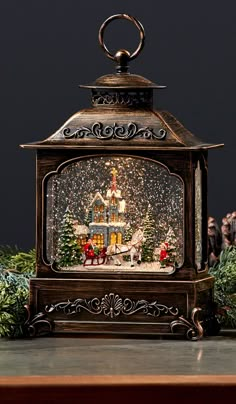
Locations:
(149, 235)
(69, 252)
(88, 217)
(128, 233)
(171, 238)
(127, 237)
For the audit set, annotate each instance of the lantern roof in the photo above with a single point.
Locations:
(98, 127)
(122, 114)
(122, 81)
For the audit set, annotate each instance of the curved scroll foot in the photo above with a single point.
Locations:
(38, 325)
(194, 330)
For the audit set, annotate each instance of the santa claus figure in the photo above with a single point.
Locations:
(164, 253)
(89, 249)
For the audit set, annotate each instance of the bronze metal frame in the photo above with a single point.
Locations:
(133, 128)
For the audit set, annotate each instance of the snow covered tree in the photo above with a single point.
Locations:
(172, 243)
(171, 238)
(127, 237)
(128, 233)
(149, 235)
(88, 217)
(69, 252)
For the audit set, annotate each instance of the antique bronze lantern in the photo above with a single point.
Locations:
(122, 216)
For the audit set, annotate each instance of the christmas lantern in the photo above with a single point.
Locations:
(122, 216)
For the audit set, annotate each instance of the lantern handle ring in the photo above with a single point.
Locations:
(122, 56)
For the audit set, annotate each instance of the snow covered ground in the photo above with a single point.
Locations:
(125, 267)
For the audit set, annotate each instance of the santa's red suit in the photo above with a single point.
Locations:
(163, 252)
(88, 250)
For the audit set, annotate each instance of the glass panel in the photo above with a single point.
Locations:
(132, 208)
(198, 216)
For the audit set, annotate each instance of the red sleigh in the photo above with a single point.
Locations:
(95, 259)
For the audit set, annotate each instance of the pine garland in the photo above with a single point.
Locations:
(15, 270)
(14, 293)
(6, 254)
(24, 262)
(225, 287)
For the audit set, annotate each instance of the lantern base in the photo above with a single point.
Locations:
(124, 307)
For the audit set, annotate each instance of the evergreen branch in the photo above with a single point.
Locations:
(225, 286)
(14, 290)
(6, 253)
(24, 262)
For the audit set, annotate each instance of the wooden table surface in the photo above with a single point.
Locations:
(90, 370)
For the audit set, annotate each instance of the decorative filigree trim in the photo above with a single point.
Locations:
(194, 330)
(115, 131)
(38, 325)
(129, 99)
(112, 306)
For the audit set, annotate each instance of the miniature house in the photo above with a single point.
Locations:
(122, 181)
(107, 225)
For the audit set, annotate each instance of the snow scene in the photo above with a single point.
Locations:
(116, 213)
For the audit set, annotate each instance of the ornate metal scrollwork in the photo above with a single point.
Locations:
(194, 330)
(112, 305)
(38, 325)
(115, 131)
(128, 99)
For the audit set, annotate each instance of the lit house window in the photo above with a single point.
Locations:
(113, 238)
(113, 201)
(98, 239)
(113, 217)
(116, 238)
(119, 238)
(101, 218)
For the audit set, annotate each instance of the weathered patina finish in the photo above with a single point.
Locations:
(123, 122)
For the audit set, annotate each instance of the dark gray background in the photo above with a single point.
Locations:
(48, 47)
